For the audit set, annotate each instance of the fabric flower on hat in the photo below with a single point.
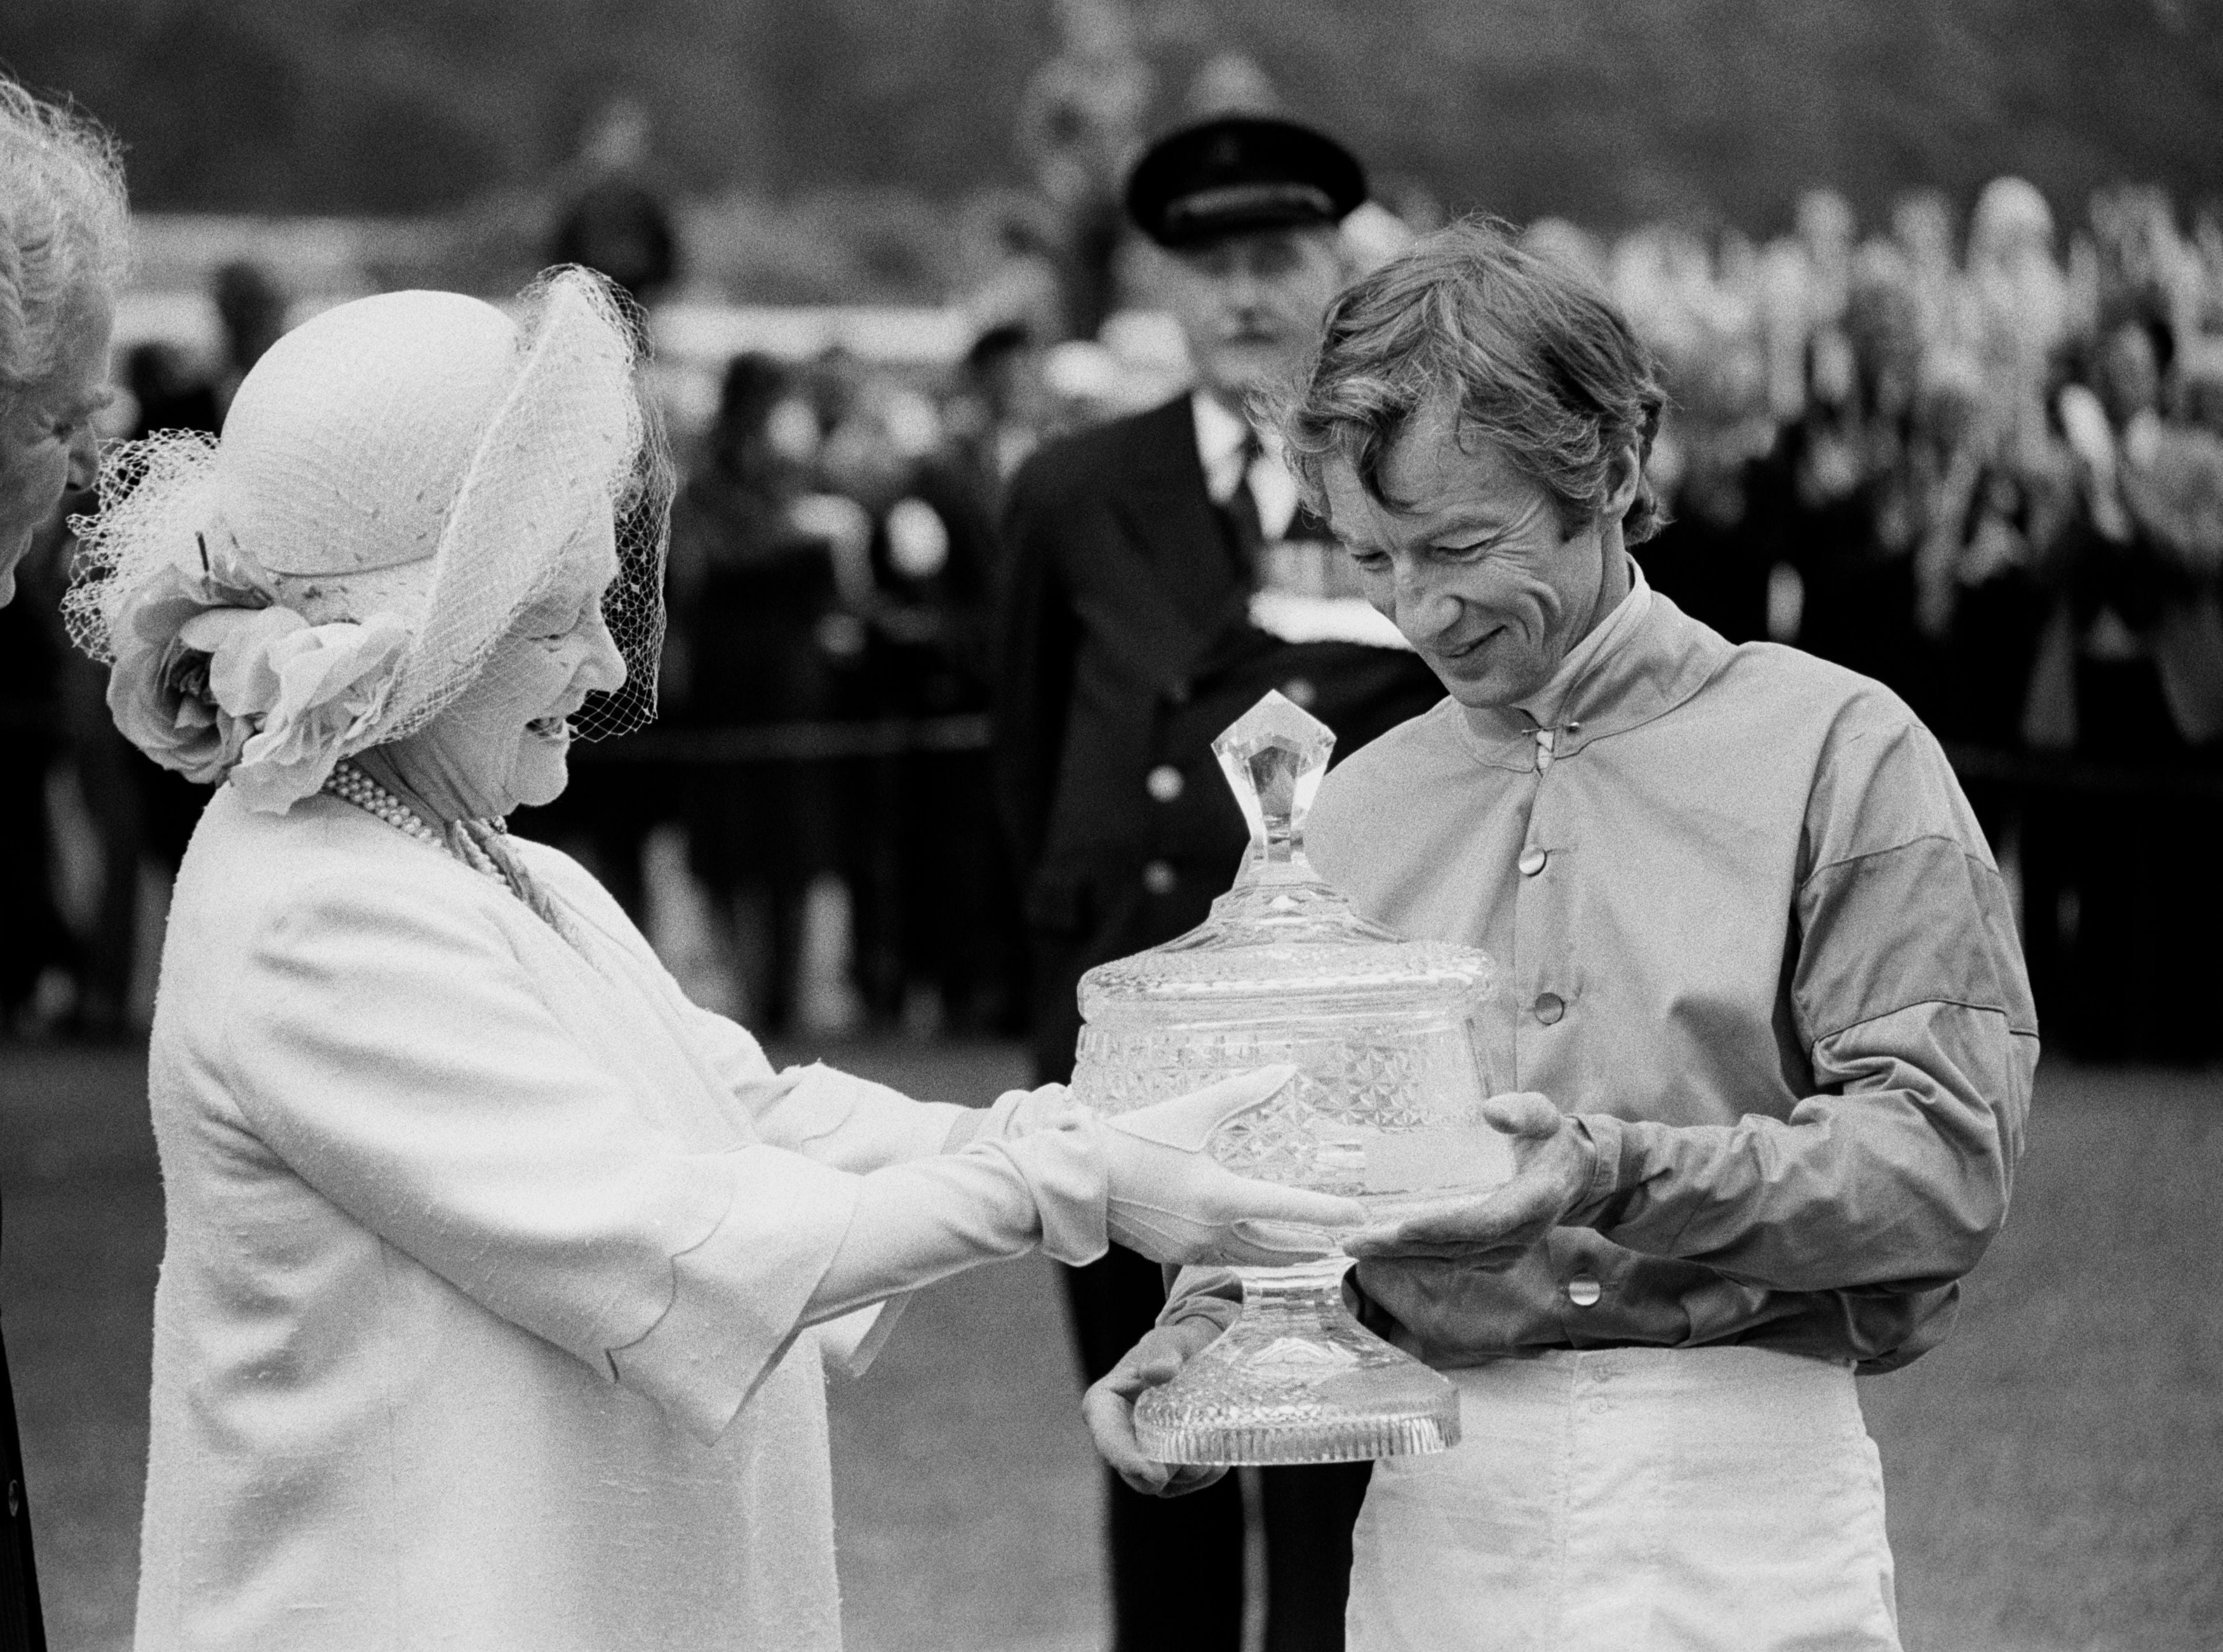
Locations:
(159, 690)
(216, 680)
(307, 690)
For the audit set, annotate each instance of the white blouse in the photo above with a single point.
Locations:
(480, 1320)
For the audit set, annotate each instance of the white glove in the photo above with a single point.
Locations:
(1170, 1200)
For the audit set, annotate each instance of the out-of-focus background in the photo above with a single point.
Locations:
(1939, 288)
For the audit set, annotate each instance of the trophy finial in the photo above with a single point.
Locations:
(1273, 755)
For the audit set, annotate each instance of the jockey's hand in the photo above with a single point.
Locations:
(1554, 1162)
(1109, 1407)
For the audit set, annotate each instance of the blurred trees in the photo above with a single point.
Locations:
(1607, 111)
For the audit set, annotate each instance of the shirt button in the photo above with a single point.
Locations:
(1583, 1290)
(1300, 691)
(1165, 783)
(1159, 878)
(1532, 861)
(1549, 1007)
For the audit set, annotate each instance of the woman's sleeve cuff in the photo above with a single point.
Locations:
(850, 1344)
(738, 1297)
(1061, 1160)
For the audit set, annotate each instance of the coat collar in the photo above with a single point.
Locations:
(1649, 656)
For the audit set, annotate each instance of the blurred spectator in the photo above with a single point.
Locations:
(1080, 118)
(251, 306)
(999, 413)
(34, 940)
(168, 389)
(753, 589)
(936, 917)
(614, 220)
(1012, 240)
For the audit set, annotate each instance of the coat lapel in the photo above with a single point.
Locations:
(1164, 511)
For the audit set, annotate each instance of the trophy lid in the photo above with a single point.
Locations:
(1282, 936)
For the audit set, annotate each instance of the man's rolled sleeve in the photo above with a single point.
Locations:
(1910, 995)
(1900, 1179)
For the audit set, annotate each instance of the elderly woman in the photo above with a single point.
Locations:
(63, 242)
(1769, 1024)
(498, 1276)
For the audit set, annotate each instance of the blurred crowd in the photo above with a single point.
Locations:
(1984, 465)
(1981, 463)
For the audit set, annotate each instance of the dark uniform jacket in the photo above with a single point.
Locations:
(1127, 646)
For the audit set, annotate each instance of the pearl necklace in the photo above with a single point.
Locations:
(472, 841)
(351, 785)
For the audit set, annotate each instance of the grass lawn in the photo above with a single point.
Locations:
(2056, 1470)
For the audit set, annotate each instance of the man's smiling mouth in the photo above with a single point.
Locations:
(1465, 649)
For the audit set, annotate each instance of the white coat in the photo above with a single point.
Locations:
(479, 1318)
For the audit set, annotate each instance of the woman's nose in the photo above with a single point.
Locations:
(604, 671)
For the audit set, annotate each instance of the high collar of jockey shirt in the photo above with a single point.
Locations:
(1544, 710)
(1223, 438)
(1615, 678)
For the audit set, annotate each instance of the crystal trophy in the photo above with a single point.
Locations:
(1386, 1108)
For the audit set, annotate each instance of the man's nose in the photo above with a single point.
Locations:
(1425, 610)
(1246, 293)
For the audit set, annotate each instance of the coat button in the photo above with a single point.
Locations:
(1165, 783)
(1158, 878)
(1549, 1007)
(1583, 1291)
(1532, 861)
(1301, 690)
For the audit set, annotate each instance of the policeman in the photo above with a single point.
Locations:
(1161, 578)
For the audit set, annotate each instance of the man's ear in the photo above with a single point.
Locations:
(1624, 476)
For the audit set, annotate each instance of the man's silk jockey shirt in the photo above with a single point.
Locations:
(1751, 936)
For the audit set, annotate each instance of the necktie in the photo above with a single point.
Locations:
(1242, 509)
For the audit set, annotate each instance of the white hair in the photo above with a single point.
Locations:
(65, 225)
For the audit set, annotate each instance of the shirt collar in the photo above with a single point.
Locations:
(1221, 438)
(1647, 659)
(1219, 445)
(1542, 709)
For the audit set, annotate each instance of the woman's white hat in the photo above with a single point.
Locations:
(397, 479)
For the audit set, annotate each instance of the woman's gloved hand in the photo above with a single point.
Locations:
(1171, 1201)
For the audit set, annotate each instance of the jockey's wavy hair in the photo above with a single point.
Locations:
(1535, 357)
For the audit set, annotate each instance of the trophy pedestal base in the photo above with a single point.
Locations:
(1297, 1380)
